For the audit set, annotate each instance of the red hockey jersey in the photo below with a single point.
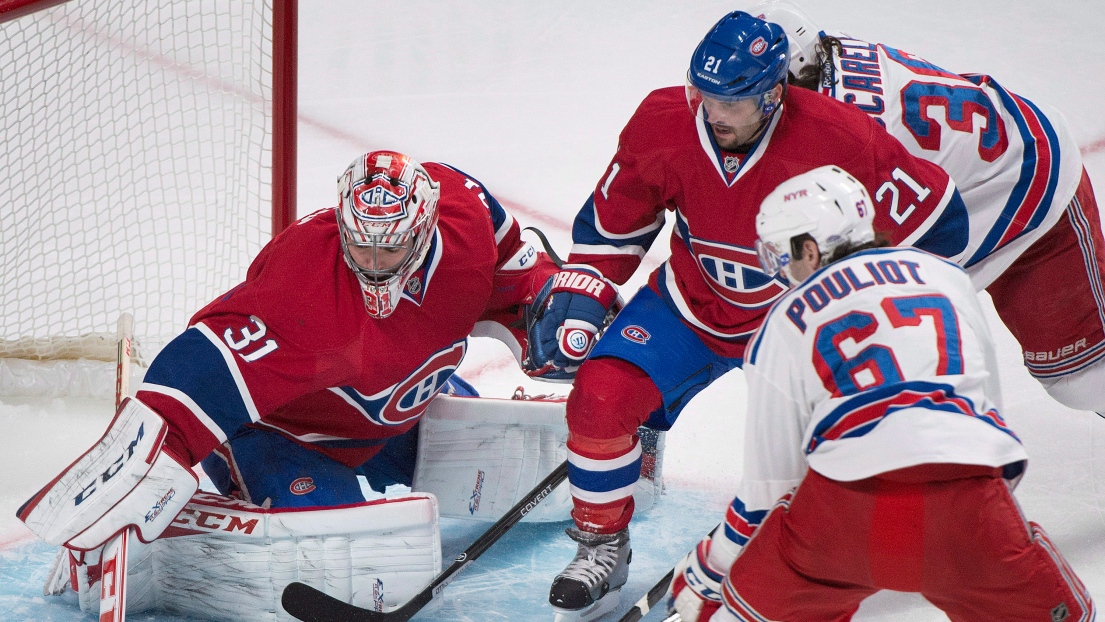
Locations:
(292, 348)
(667, 160)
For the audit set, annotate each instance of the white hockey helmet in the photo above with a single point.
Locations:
(387, 217)
(804, 35)
(827, 203)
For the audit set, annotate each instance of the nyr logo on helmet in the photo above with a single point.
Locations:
(408, 399)
(758, 46)
(734, 273)
(381, 198)
(636, 334)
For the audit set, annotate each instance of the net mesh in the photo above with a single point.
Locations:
(137, 165)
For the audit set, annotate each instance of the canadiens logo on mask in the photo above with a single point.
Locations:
(381, 198)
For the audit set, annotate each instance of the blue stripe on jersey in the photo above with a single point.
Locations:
(949, 235)
(498, 214)
(1029, 172)
(585, 231)
(195, 366)
(859, 415)
(604, 481)
(741, 523)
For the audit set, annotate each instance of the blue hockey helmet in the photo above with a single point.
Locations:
(740, 58)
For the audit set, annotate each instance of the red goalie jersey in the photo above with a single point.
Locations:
(292, 348)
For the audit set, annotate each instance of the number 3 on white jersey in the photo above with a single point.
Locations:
(896, 213)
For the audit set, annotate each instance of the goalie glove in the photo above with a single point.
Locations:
(696, 589)
(564, 322)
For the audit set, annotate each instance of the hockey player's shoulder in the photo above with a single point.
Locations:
(661, 117)
(300, 287)
(465, 220)
(824, 124)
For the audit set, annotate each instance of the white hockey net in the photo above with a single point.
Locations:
(136, 167)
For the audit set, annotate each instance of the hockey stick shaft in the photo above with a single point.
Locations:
(649, 600)
(312, 605)
(655, 594)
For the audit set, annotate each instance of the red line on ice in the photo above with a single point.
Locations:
(15, 537)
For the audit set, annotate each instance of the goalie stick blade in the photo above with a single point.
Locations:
(311, 605)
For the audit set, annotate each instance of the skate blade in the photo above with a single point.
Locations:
(600, 608)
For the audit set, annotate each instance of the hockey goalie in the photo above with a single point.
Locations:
(312, 372)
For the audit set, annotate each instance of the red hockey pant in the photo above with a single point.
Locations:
(1052, 298)
(962, 543)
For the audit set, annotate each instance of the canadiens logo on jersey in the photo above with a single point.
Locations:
(734, 273)
(636, 334)
(408, 399)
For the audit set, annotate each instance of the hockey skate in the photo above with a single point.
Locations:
(590, 586)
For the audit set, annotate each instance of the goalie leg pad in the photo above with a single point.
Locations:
(125, 479)
(226, 559)
(480, 456)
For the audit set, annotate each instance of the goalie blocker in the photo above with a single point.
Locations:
(127, 479)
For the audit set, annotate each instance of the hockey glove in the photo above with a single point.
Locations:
(696, 589)
(565, 320)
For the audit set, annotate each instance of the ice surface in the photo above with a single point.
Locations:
(529, 98)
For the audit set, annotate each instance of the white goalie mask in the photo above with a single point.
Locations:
(827, 203)
(804, 35)
(387, 217)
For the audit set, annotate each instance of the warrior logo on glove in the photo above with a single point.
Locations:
(570, 311)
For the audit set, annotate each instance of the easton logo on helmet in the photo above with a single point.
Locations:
(302, 486)
(758, 46)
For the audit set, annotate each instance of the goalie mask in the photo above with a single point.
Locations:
(827, 203)
(387, 217)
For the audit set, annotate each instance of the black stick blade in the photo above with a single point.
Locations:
(311, 605)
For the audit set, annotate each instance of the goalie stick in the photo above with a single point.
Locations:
(113, 563)
(311, 605)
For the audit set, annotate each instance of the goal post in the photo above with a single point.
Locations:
(148, 155)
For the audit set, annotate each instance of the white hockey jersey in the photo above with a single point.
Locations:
(1015, 166)
(877, 362)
